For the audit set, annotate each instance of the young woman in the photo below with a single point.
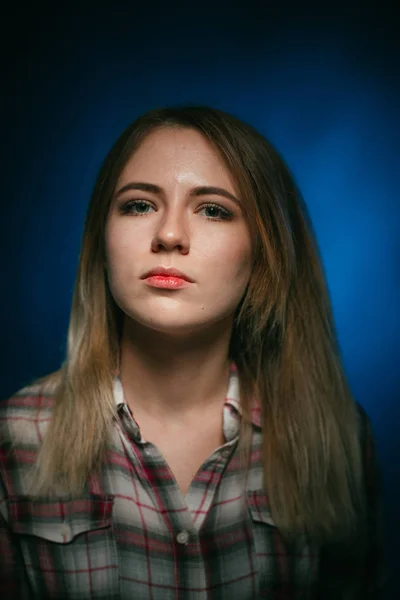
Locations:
(200, 440)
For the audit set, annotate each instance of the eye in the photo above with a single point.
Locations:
(136, 208)
(216, 212)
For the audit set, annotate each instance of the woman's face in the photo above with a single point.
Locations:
(174, 207)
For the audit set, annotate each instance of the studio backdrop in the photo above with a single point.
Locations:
(325, 91)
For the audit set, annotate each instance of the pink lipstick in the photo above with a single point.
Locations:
(167, 278)
(166, 282)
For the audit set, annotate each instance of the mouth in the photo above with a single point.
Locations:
(167, 282)
(167, 274)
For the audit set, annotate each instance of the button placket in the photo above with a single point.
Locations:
(65, 531)
(182, 537)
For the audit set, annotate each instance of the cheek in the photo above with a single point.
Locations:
(230, 255)
(121, 246)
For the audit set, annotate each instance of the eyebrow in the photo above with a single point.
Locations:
(204, 190)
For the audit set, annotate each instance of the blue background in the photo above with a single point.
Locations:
(323, 86)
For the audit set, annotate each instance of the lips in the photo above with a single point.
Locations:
(167, 272)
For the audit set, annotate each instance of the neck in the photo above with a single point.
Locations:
(174, 377)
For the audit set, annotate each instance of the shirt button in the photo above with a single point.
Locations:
(182, 537)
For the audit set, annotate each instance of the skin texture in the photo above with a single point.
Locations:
(173, 231)
(174, 347)
(174, 364)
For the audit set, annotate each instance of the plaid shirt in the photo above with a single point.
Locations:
(132, 535)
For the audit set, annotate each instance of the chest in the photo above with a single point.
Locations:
(128, 538)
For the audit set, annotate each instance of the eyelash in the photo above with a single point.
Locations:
(127, 209)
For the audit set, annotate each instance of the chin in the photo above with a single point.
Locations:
(171, 327)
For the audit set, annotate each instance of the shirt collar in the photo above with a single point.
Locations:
(232, 408)
(233, 397)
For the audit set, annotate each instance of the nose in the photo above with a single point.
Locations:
(171, 233)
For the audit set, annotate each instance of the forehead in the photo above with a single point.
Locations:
(175, 152)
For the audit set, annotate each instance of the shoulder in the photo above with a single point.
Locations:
(363, 419)
(370, 458)
(366, 436)
(24, 417)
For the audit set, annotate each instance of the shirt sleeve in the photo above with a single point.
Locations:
(358, 571)
(13, 580)
(375, 567)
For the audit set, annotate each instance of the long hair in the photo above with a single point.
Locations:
(283, 341)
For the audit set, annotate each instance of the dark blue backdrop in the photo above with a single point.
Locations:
(324, 88)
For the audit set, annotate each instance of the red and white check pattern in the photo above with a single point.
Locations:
(132, 535)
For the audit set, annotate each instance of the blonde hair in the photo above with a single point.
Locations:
(283, 342)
